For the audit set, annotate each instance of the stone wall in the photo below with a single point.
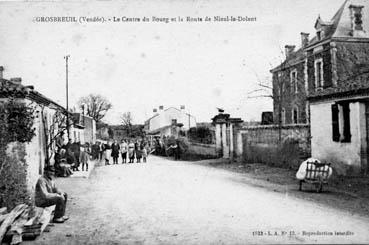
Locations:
(24, 163)
(201, 150)
(352, 59)
(285, 147)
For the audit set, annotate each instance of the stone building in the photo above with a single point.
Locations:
(289, 91)
(84, 129)
(337, 61)
(163, 121)
(325, 84)
(27, 159)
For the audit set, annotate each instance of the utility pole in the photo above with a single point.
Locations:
(66, 91)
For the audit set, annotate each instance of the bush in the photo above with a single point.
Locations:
(16, 125)
(201, 135)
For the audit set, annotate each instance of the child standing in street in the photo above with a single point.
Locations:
(144, 154)
(84, 158)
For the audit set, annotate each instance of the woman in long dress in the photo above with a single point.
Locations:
(131, 152)
(107, 153)
(63, 169)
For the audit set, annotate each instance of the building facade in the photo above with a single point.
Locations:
(27, 159)
(164, 120)
(289, 91)
(333, 83)
(83, 129)
(337, 64)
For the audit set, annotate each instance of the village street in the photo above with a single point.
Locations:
(169, 202)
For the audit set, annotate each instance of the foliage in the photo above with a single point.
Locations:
(201, 135)
(17, 122)
(16, 125)
(127, 122)
(96, 106)
(182, 142)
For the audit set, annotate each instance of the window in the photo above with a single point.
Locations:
(293, 81)
(283, 117)
(319, 82)
(337, 120)
(335, 123)
(346, 123)
(295, 115)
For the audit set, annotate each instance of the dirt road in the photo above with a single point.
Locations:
(168, 202)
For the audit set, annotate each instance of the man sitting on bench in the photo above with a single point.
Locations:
(47, 194)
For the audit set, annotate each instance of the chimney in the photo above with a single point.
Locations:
(182, 107)
(304, 39)
(16, 80)
(1, 72)
(289, 50)
(356, 20)
(161, 108)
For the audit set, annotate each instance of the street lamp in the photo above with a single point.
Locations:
(66, 91)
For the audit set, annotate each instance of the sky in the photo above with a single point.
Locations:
(139, 66)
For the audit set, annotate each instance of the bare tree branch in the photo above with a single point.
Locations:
(96, 106)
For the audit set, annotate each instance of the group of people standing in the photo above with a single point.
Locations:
(167, 147)
(127, 150)
(69, 157)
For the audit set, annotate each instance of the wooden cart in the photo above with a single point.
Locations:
(317, 174)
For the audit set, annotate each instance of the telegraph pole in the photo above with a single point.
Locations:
(66, 91)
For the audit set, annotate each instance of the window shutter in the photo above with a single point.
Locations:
(346, 123)
(335, 125)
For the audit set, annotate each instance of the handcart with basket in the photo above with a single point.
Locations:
(314, 172)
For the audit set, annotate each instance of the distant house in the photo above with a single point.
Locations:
(169, 122)
(84, 128)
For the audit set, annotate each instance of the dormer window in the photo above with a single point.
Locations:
(319, 35)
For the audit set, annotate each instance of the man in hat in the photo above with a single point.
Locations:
(47, 194)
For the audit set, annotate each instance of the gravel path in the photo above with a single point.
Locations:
(168, 202)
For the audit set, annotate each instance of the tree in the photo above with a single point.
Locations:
(274, 88)
(16, 125)
(127, 122)
(95, 105)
